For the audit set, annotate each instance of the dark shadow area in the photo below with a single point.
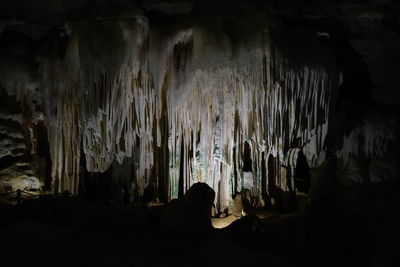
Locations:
(43, 153)
(247, 163)
(341, 230)
(302, 174)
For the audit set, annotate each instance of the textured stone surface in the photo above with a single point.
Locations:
(209, 94)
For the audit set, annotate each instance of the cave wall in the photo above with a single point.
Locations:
(217, 98)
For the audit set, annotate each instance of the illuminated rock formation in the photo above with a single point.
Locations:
(225, 101)
(124, 90)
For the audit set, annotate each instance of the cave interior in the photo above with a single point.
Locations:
(199, 133)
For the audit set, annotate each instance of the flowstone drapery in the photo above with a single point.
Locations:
(183, 103)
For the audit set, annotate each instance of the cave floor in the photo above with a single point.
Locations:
(67, 231)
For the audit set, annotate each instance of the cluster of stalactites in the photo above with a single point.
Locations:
(124, 89)
(367, 151)
(255, 96)
(99, 100)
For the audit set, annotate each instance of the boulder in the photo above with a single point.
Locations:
(192, 212)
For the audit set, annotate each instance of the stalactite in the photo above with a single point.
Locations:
(369, 144)
(100, 99)
(125, 90)
(274, 109)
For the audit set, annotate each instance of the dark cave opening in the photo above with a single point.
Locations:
(302, 174)
(264, 188)
(247, 162)
(357, 85)
(43, 152)
(181, 190)
(272, 188)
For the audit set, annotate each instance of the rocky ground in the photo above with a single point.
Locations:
(355, 228)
